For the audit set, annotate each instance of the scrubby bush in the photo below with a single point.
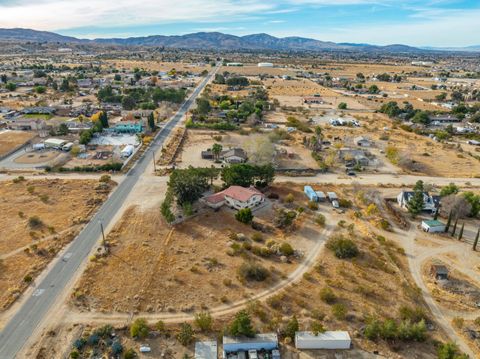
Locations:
(253, 271)
(289, 198)
(105, 179)
(117, 348)
(203, 321)
(186, 335)
(130, 354)
(320, 219)
(244, 215)
(139, 328)
(343, 247)
(327, 295)
(35, 222)
(257, 237)
(291, 328)
(313, 205)
(286, 249)
(339, 311)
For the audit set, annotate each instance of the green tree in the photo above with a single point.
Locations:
(474, 201)
(242, 325)
(188, 185)
(342, 106)
(455, 227)
(244, 215)
(292, 327)
(203, 106)
(217, 150)
(10, 86)
(416, 203)
(421, 117)
(128, 103)
(151, 121)
(104, 119)
(373, 89)
(449, 221)
(460, 235)
(450, 351)
(40, 89)
(449, 189)
(391, 109)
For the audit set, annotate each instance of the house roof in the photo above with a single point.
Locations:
(238, 193)
(237, 152)
(433, 223)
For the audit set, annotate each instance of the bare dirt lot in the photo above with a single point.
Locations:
(192, 266)
(9, 140)
(37, 218)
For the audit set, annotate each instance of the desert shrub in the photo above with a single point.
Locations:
(372, 329)
(345, 203)
(244, 215)
(79, 344)
(129, 354)
(185, 336)
(35, 222)
(343, 247)
(283, 218)
(458, 322)
(289, 198)
(93, 339)
(253, 271)
(317, 328)
(160, 326)
(31, 189)
(139, 328)
(105, 179)
(74, 354)
(339, 311)
(227, 282)
(286, 249)
(413, 314)
(44, 198)
(327, 295)
(117, 348)
(28, 278)
(257, 237)
(320, 219)
(450, 351)
(313, 205)
(203, 321)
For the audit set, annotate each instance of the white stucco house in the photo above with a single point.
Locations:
(235, 197)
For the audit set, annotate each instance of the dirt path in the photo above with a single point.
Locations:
(416, 257)
(306, 265)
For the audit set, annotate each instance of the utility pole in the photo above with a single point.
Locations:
(103, 234)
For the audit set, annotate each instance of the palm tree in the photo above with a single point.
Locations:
(216, 150)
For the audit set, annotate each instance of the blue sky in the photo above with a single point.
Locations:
(412, 22)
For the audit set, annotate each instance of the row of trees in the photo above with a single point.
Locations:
(186, 186)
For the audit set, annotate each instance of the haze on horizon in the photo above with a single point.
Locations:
(440, 23)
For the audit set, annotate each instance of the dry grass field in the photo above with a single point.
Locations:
(254, 70)
(9, 140)
(185, 268)
(37, 218)
(158, 65)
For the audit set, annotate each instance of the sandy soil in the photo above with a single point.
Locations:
(37, 157)
(25, 249)
(10, 140)
(169, 270)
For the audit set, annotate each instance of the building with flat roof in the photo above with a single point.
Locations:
(267, 341)
(206, 350)
(326, 340)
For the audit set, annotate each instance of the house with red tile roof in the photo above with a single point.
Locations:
(235, 197)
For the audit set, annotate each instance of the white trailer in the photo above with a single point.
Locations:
(127, 151)
(67, 147)
(326, 340)
(38, 146)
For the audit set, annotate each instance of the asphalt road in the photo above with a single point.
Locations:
(21, 327)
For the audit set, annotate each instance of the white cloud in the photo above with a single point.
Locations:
(60, 14)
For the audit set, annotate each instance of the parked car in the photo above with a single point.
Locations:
(145, 348)
(335, 204)
(252, 354)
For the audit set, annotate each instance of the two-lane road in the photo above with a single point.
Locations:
(35, 309)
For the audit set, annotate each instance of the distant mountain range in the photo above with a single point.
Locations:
(217, 41)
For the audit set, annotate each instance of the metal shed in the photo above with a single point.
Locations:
(267, 341)
(311, 194)
(206, 350)
(321, 196)
(327, 340)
